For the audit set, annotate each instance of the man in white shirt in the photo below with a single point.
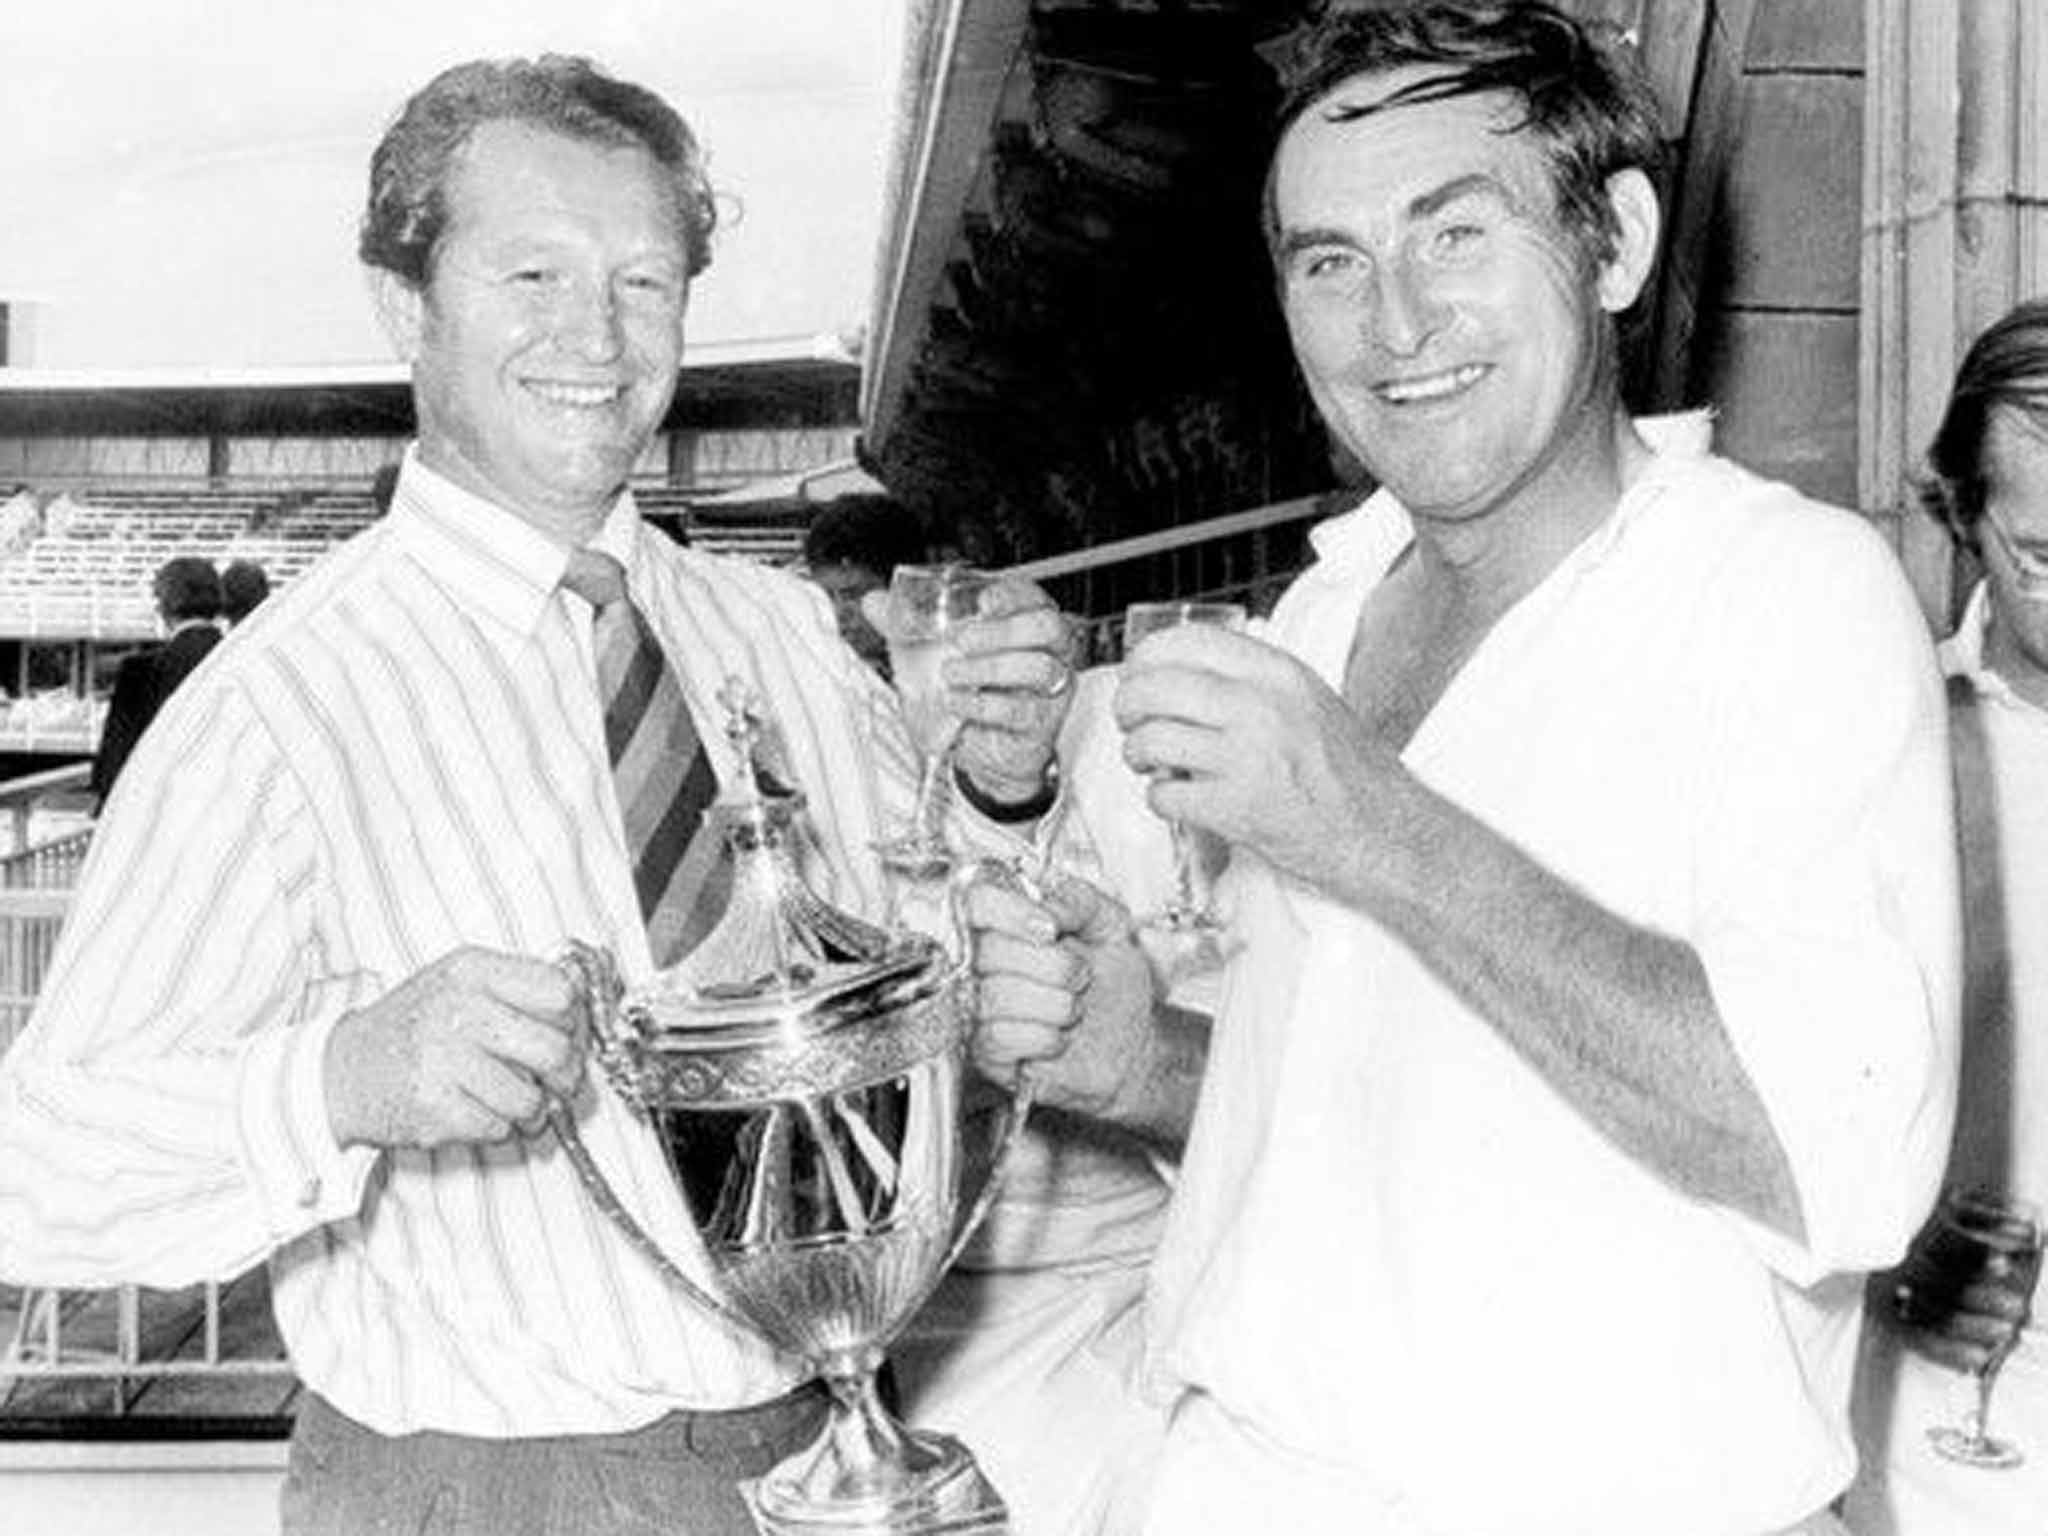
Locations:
(1591, 1024)
(303, 1009)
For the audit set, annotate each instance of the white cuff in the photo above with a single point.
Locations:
(302, 1177)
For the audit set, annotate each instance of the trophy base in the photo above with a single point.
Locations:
(951, 1498)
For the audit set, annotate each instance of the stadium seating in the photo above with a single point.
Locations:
(86, 572)
(77, 565)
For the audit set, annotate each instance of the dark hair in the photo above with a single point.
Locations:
(187, 587)
(1583, 98)
(384, 486)
(866, 529)
(2005, 369)
(242, 586)
(408, 203)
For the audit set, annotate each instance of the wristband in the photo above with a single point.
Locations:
(1010, 813)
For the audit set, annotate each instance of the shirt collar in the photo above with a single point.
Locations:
(1962, 653)
(1366, 540)
(504, 567)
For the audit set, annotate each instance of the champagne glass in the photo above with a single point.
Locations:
(1988, 1244)
(1189, 909)
(927, 603)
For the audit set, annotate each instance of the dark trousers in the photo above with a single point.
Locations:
(678, 1476)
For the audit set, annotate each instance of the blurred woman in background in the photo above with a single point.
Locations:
(1940, 1322)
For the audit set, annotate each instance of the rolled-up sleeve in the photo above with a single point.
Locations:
(1826, 903)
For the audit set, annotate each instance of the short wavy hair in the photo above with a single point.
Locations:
(1583, 97)
(407, 212)
(187, 587)
(869, 529)
(2005, 370)
(243, 585)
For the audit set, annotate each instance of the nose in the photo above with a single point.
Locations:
(588, 323)
(1407, 314)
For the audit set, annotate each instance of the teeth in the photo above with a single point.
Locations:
(1435, 387)
(574, 394)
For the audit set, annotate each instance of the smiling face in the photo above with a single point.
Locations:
(2014, 536)
(1453, 332)
(546, 342)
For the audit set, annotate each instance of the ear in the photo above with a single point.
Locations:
(1639, 223)
(683, 312)
(401, 310)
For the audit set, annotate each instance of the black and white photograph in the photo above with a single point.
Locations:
(1023, 768)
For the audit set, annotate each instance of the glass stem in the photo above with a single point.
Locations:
(1183, 869)
(1980, 1421)
(925, 817)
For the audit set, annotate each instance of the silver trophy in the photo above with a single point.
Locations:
(805, 1073)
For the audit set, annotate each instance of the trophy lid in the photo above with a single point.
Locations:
(782, 959)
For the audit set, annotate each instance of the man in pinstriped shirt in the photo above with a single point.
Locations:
(300, 1014)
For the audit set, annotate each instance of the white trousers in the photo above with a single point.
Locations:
(1215, 1473)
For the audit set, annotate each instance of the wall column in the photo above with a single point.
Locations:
(1955, 231)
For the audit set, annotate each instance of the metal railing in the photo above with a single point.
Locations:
(30, 920)
(91, 1354)
(22, 798)
(1245, 557)
(52, 865)
(72, 1354)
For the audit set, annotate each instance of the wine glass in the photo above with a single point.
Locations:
(927, 603)
(1986, 1247)
(1189, 909)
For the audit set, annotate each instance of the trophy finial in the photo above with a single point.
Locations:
(743, 729)
(777, 938)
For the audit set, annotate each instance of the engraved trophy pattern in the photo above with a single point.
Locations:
(805, 1074)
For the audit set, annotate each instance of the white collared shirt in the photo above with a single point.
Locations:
(1904, 1488)
(1396, 1253)
(405, 757)
(2007, 964)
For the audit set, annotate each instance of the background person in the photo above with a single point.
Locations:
(188, 606)
(851, 548)
(1591, 1023)
(301, 1011)
(243, 584)
(1989, 485)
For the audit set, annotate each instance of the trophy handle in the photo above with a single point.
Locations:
(596, 976)
(1022, 1088)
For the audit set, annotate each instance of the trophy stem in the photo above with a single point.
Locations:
(867, 1475)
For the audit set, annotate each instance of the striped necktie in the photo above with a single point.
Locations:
(664, 776)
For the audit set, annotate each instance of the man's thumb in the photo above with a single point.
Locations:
(1087, 911)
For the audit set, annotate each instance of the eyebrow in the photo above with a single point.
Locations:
(1294, 241)
(1422, 206)
(1473, 183)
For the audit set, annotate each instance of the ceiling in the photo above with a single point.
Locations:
(1075, 337)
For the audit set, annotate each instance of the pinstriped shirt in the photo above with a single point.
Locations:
(402, 754)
